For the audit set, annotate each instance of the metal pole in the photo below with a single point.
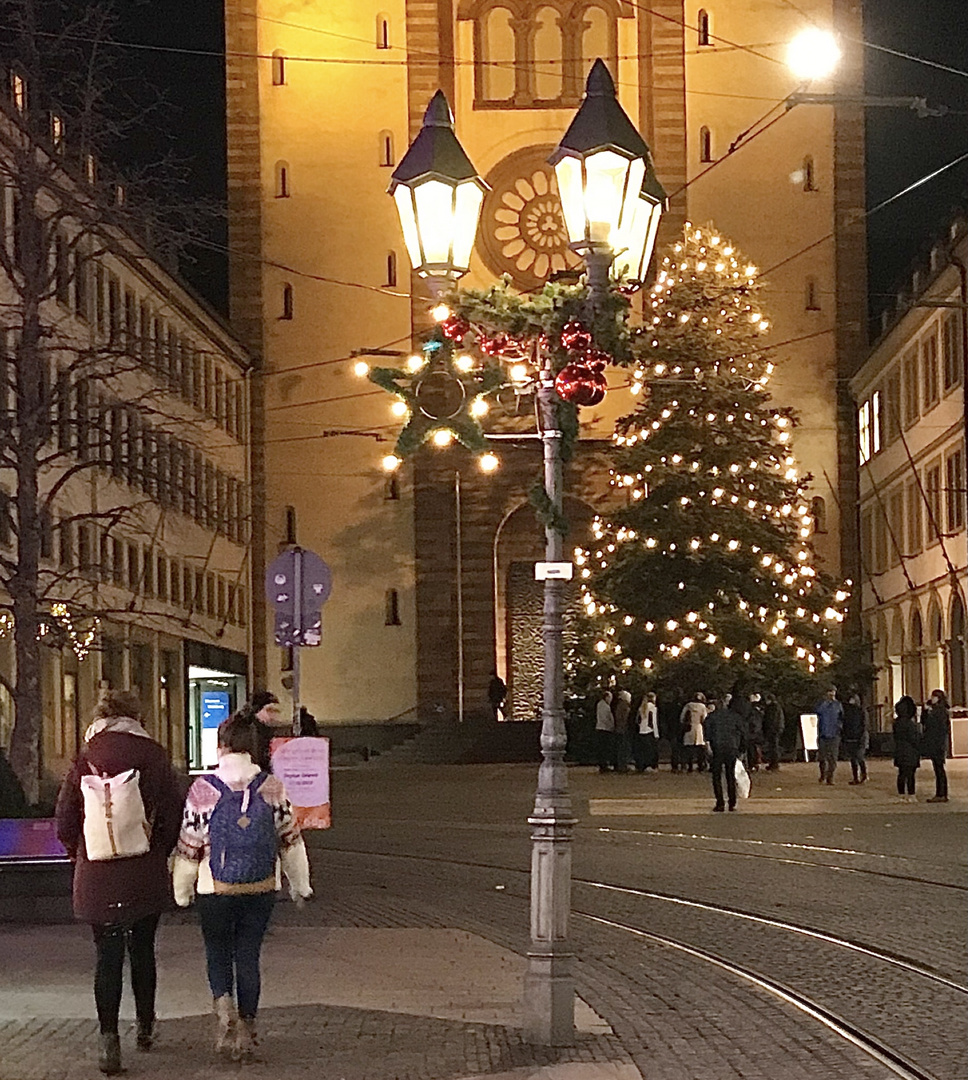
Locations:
(549, 982)
(460, 598)
(298, 627)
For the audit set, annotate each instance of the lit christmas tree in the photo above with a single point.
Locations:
(707, 573)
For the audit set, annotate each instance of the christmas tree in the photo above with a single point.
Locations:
(707, 573)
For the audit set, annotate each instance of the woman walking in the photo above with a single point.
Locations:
(117, 816)
(936, 724)
(646, 743)
(238, 824)
(907, 752)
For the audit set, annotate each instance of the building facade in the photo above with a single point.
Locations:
(143, 479)
(911, 445)
(321, 106)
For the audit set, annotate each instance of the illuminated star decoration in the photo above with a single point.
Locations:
(442, 394)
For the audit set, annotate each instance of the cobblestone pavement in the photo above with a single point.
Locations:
(672, 1017)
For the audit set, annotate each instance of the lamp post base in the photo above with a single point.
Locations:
(549, 999)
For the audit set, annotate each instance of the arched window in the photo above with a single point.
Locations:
(392, 608)
(818, 511)
(283, 190)
(287, 302)
(278, 68)
(387, 159)
(391, 280)
(596, 40)
(496, 70)
(957, 682)
(811, 295)
(809, 174)
(702, 26)
(705, 144)
(383, 31)
(548, 54)
(914, 675)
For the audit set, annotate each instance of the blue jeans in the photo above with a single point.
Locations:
(233, 928)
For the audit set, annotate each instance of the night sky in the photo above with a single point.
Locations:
(901, 148)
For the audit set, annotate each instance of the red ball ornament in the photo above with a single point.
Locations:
(597, 359)
(454, 328)
(580, 385)
(574, 337)
(492, 346)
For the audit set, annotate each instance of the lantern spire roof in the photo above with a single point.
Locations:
(436, 150)
(601, 122)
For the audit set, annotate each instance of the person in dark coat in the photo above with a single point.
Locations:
(308, 728)
(264, 706)
(122, 898)
(725, 733)
(935, 739)
(754, 734)
(774, 721)
(497, 694)
(907, 748)
(856, 738)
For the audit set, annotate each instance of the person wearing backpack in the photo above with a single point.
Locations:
(237, 827)
(118, 814)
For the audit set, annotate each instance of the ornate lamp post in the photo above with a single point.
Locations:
(612, 203)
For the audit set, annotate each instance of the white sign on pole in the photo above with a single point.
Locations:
(559, 571)
(808, 731)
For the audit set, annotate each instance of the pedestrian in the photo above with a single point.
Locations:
(907, 748)
(497, 694)
(935, 738)
(725, 733)
(754, 736)
(622, 710)
(774, 721)
(646, 745)
(118, 812)
(308, 727)
(830, 722)
(856, 738)
(691, 718)
(605, 731)
(670, 711)
(264, 706)
(237, 827)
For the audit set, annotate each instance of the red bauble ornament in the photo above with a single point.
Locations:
(454, 328)
(597, 360)
(578, 384)
(574, 337)
(492, 346)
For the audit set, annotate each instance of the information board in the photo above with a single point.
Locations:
(302, 764)
(808, 732)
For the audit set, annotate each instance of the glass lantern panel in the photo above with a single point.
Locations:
(568, 173)
(605, 189)
(403, 197)
(435, 221)
(467, 211)
(655, 215)
(630, 242)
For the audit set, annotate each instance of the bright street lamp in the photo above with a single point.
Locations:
(638, 244)
(438, 195)
(813, 54)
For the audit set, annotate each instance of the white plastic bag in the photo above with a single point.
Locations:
(115, 825)
(742, 780)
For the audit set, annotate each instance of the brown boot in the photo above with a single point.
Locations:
(225, 1024)
(245, 1040)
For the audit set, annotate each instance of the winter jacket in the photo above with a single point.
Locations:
(855, 723)
(121, 891)
(830, 718)
(621, 710)
(604, 717)
(191, 870)
(725, 732)
(773, 720)
(691, 718)
(936, 725)
(648, 719)
(907, 743)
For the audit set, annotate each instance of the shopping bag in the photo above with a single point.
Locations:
(742, 780)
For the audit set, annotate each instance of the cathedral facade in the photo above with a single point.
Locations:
(432, 587)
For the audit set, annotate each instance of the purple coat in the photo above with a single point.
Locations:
(122, 890)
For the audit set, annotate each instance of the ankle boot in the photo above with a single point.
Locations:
(109, 1054)
(245, 1040)
(146, 1035)
(225, 1024)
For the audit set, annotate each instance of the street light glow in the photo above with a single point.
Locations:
(415, 362)
(391, 463)
(443, 437)
(813, 54)
(488, 462)
(361, 369)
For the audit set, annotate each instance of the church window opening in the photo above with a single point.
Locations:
(386, 150)
(497, 68)
(391, 280)
(383, 31)
(808, 172)
(278, 68)
(287, 302)
(282, 180)
(705, 144)
(812, 297)
(702, 27)
(392, 608)
(548, 55)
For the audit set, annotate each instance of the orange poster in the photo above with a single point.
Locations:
(302, 764)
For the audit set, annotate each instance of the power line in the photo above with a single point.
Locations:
(909, 56)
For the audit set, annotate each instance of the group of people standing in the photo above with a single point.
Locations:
(122, 814)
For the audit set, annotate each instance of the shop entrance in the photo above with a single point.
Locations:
(216, 684)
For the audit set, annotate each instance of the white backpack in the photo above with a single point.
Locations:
(115, 824)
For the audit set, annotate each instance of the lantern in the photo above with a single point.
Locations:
(438, 195)
(637, 244)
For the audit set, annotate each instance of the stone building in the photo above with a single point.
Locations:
(911, 444)
(431, 591)
(144, 484)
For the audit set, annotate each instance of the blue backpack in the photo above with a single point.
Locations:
(242, 836)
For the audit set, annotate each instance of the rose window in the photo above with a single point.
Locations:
(523, 229)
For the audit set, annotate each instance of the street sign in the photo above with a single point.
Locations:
(298, 583)
(555, 571)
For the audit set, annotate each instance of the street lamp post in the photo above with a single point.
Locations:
(612, 202)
